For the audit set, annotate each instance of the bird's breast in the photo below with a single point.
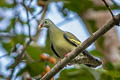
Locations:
(63, 47)
(60, 45)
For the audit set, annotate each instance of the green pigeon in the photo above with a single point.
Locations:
(62, 43)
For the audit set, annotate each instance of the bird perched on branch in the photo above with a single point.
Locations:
(62, 43)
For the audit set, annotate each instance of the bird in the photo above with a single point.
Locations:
(63, 42)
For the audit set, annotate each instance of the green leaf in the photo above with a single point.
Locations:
(113, 73)
(3, 3)
(76, 74)
(34, 52)
(20, 38)
(117, 78)
(105, 77)
(100, 42)
(104, 7)
(96, 53)
(1, 18)
(117, 66)
(109, 66)
(11, 25)
(36, 68)
(21, 71)
(109, 74)
(7, 46)
(92, 24)
(83, 5)
(78, 6)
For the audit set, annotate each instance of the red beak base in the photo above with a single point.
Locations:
(41, 25)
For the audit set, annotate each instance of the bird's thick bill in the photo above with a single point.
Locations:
(41, 25)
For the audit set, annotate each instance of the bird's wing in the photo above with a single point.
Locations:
(88, 59)
(71, 39)
(74, 41)
(52, 47)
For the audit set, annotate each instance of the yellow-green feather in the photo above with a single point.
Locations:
(58, 41)
(65, 42)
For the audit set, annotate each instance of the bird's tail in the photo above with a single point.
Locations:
(87, 59)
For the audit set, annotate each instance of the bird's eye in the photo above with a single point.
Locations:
(45, 22)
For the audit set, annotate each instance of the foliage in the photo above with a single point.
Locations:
(85, 73)
(79, 6)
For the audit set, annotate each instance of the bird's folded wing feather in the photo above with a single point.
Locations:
(74, 41)
(52, 47)
(71, 39)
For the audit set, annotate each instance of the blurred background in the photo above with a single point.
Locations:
(25, 52)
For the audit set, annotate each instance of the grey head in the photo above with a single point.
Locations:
(46, 23)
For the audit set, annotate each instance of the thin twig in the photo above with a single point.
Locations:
(43, 10)
(42, 17)
(16, 15)
(20, 56)
(60, 65)
(109, 9)
(30, 3)
(28, 21)
(27, 13)
(34, 16)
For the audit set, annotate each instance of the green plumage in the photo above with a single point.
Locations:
(64, 42)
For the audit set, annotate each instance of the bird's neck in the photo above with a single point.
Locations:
(54, 32)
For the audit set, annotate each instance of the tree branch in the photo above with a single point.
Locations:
(60, 65)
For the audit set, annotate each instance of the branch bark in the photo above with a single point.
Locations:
(60, 65)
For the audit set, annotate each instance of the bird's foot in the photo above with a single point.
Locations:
(66, 55)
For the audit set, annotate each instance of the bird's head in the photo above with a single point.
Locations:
(45, 23)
